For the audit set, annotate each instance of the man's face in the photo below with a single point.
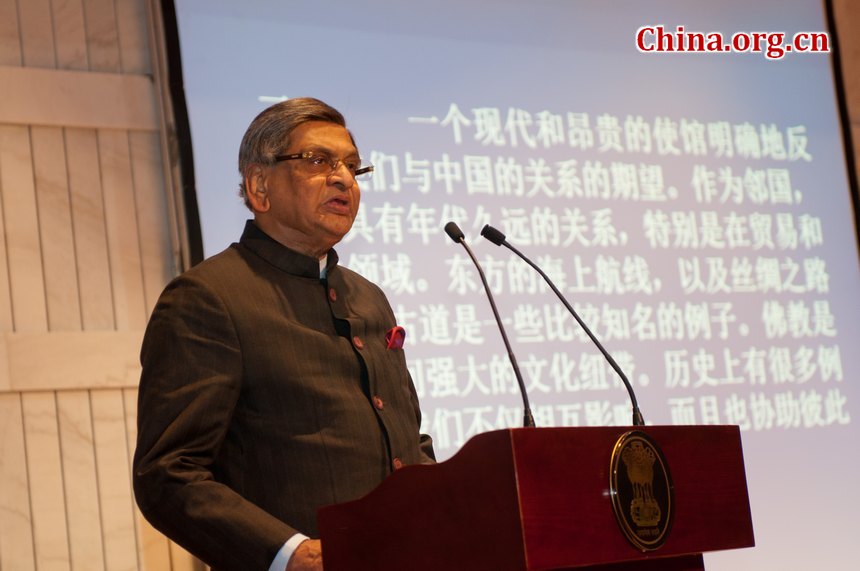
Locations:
(310, 212)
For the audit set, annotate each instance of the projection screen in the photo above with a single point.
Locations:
(694, 207)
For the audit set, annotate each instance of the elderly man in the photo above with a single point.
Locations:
(273, 379)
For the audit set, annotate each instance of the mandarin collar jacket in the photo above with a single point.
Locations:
(265, 394)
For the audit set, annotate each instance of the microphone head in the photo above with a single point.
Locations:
(493, 235)
(453, 231)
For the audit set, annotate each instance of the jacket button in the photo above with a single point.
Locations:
(396, 464)
(332, 294)
(359, 344)
(378, 403)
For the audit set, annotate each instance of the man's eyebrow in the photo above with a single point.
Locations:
(329, 152)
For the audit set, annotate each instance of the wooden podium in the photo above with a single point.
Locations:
(539, 498)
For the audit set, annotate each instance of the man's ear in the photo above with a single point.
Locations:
(255, 188)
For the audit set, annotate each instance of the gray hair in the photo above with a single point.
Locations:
(268, 135)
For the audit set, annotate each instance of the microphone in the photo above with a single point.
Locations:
(453, 231)
(498, 238)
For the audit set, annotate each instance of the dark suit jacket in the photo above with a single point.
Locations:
(265, 394)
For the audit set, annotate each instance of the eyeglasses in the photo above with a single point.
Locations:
(321, 163)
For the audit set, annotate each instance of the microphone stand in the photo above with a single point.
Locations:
(497, 238)
(457, 236)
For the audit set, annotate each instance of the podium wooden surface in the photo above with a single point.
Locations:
(538, 498)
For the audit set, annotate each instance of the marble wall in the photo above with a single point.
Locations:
(86, 245)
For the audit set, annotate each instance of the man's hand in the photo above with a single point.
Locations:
(307, 556)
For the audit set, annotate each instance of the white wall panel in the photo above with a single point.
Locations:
(133, 36)
(55, 229)
(61, 98)
(70, 34)
(151, 207)
(86, 549)
(37, 33)
(65, 360)
(21, 225)
(102, 41)
(10, 39)
(114, 480)
(16, 524)
(122, 231)
(85, 249)
(44, 468)
(88, 221)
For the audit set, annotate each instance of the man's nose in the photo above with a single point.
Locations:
(341, 175)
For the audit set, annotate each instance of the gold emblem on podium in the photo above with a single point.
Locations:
(641, 490)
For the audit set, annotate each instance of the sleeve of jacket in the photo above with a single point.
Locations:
(425, 442)
(190, 383)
